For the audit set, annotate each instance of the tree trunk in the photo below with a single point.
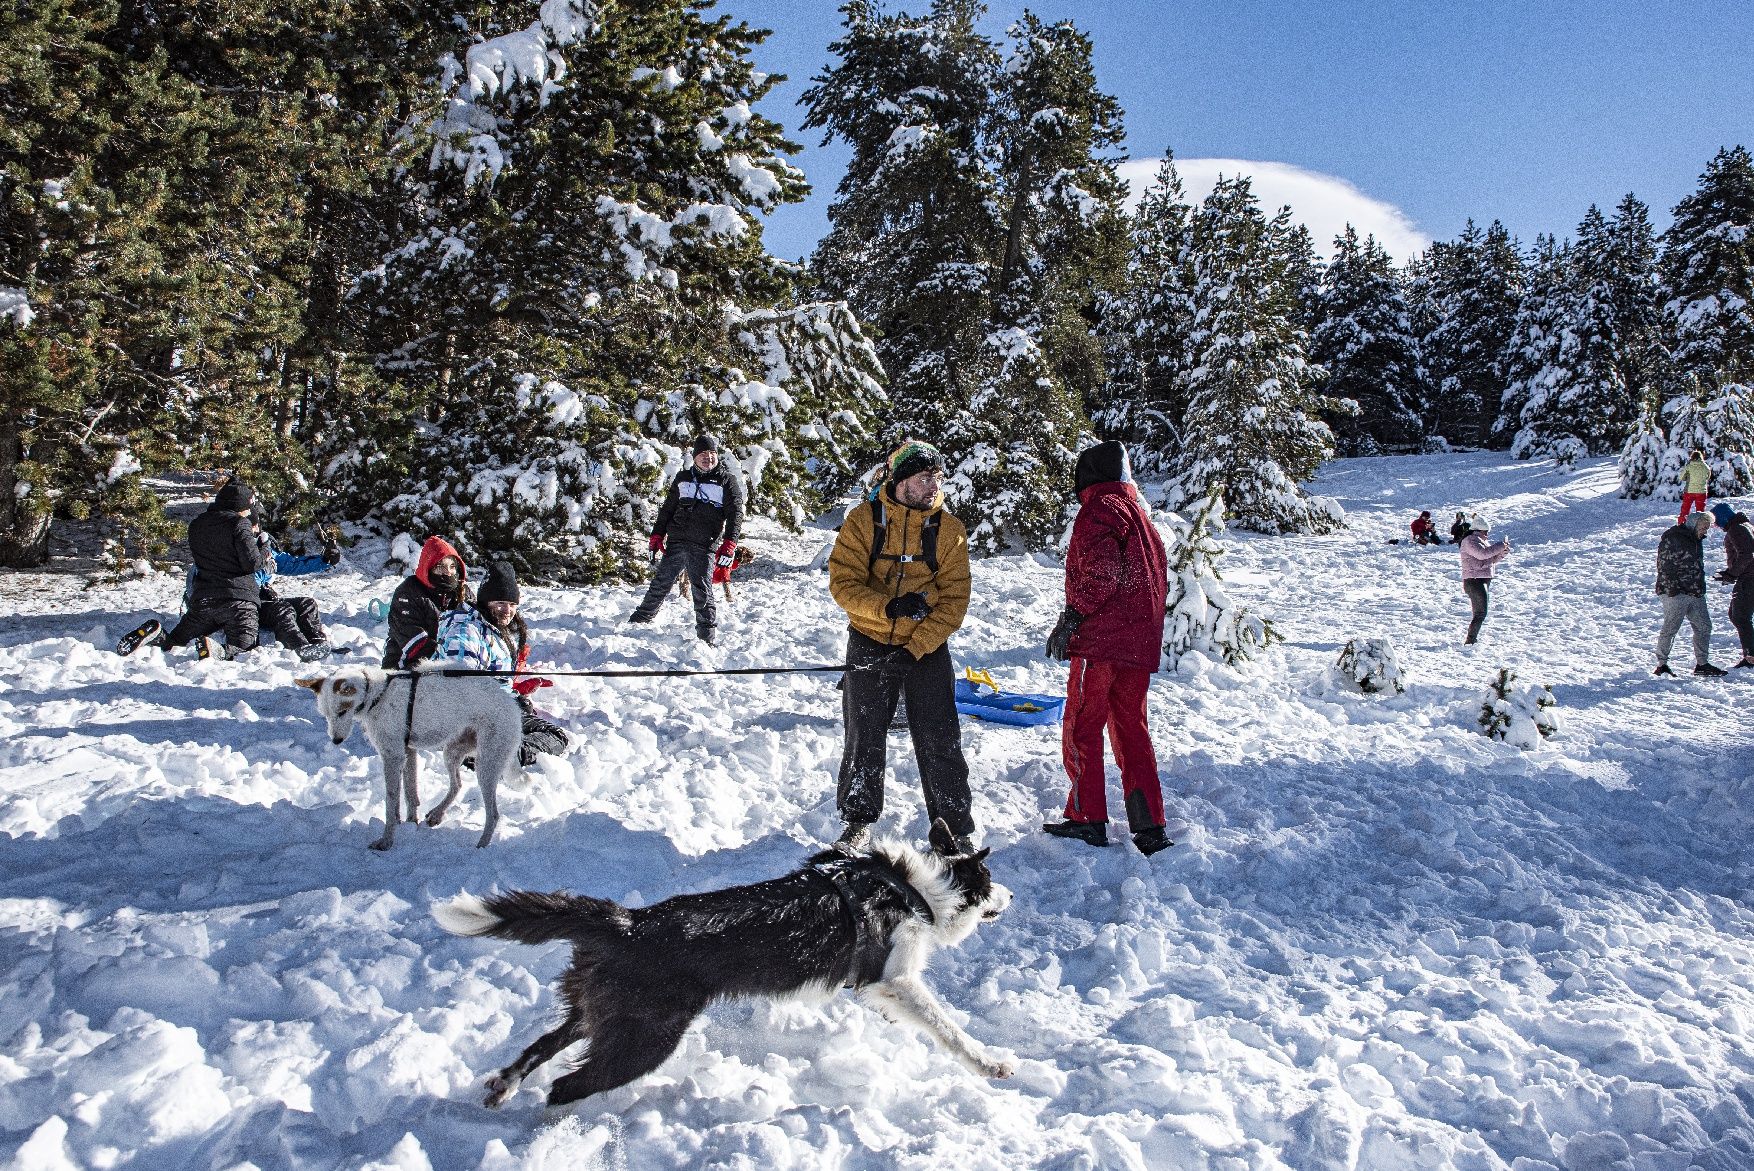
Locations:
(1014, 231)
(24, 531)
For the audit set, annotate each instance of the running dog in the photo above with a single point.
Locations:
(404, 711)
(866, 920)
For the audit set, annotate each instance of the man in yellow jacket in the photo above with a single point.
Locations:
(900, 571)
(1695, 483)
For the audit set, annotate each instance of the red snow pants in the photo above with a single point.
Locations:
(1109, 695)
(1691, 502)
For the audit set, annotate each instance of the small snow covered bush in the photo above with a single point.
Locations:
(1368, 665)
(1518, 713)
(1202, 616)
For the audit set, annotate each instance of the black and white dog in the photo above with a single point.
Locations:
(867, 920)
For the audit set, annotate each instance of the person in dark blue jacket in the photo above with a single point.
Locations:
(697, 527)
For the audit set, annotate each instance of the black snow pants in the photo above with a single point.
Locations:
(1742, 613)
(697, 561)
(877, 675)
(238, 619)
(539, 735)
(294, 621)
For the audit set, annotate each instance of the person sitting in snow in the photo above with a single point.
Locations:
(294, 620)
(699, 522)
(224, 594)
(1738, 568)
(1458, 530)
(1425, 530)
(1478, 558)
(900, 571)
(1681, 585)
(490, 635)
(1117, 584)
(437, 584)
(1695, 484)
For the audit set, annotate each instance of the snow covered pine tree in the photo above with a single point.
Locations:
(585, 286)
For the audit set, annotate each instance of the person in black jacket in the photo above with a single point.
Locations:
(1681, 585)
(228, 554)
(1738, 568)
(697, 526)
(436, 585)
(1459, 529)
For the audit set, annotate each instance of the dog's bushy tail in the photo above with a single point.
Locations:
(531, 917)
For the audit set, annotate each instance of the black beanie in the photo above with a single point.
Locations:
(500, 584)
(1103, 464)
(705, 441)
(912, 458)
(235, 497)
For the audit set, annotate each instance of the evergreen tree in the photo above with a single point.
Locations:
(1364, 339)
(1249, 430)
(1606, 348)
(583, 287)
(1203, 619)
(1476, 283)
(977, 228)
(1531, 357)
(1144, 327)
(1708, 268)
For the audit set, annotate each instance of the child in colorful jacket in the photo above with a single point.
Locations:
(490, 635)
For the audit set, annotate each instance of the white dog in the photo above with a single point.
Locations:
(427, 709)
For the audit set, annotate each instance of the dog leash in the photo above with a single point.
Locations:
(621, 673)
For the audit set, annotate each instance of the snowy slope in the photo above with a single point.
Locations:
(1389, 942)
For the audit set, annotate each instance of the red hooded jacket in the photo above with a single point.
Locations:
(1117, 576)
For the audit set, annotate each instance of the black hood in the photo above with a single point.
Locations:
(1103, 464)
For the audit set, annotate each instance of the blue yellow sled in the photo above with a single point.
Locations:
(1005, 707)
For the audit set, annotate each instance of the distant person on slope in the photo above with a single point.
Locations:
(1425, 530)
(1681, 585)
(1458, 530)
(1738, 568)
(900, 571)
(436, 585)
(1117, 584)
(1478, 558)
(696, 532)
(1695, 483)
(490, 635)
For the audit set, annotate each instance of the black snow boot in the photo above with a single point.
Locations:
(1093, 833)
(1709, 671)
(148, 633)
(1663, 669)
(1149, 841)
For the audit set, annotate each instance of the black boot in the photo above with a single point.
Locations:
(1093, 833)
(1149, 841)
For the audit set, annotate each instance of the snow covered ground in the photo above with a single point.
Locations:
(1389, 942)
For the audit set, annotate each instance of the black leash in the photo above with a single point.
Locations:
(618, 673)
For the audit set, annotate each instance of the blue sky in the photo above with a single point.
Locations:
(1524, 112)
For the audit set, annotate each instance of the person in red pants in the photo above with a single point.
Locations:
(1117, 580)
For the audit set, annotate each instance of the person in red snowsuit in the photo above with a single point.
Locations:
(1117, 581)
(1425, 530)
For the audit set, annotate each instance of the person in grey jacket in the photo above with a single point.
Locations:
(1478, 558)
(1681, 585)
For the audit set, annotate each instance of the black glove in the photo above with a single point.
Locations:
(907, 606)
(1060, 641)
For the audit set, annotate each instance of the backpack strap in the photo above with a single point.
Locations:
(879, 534)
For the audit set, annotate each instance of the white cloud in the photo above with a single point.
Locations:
(1323, 203)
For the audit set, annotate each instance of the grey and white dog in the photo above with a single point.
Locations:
(462, 716)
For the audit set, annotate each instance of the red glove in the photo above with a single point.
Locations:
(530, 683)
(723, 562)
(655, 542)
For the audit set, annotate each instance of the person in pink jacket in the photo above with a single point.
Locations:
(1478, 558)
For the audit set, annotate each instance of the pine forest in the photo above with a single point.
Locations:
(495, 297)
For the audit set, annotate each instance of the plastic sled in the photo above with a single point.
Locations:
(1008, 707)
